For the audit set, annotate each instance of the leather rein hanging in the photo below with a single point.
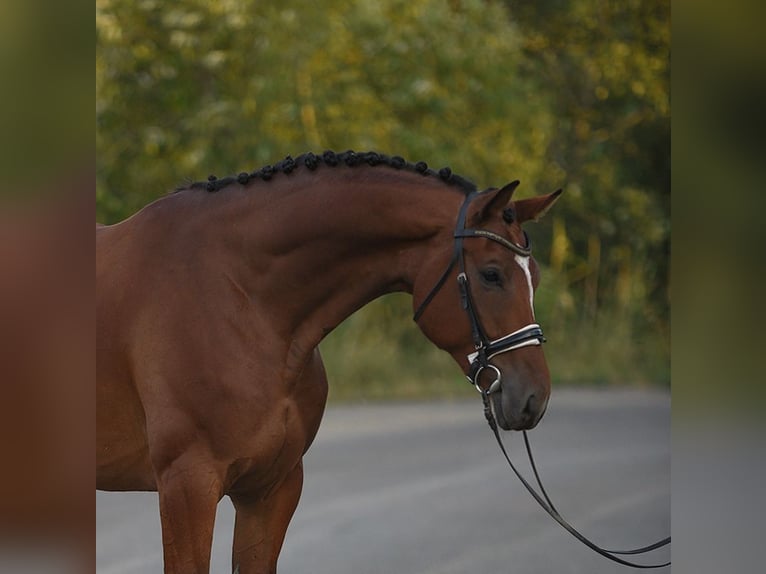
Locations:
(545, 502)
(479, 360)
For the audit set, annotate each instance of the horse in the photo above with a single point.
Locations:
(212, 300)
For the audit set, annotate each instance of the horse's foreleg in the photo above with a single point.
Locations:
(189, 495)
(261, 523)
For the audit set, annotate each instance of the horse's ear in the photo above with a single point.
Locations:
(534, 208)
(493, 202)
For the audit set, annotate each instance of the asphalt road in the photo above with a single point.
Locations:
(423, 489)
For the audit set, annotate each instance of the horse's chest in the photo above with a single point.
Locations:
(272, 452)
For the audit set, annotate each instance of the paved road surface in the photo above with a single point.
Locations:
(422, 489)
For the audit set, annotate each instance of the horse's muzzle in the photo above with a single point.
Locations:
(516, 409)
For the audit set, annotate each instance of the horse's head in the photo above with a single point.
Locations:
(479, 307)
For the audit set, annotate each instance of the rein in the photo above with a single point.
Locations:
(479, 360)
(546, 504)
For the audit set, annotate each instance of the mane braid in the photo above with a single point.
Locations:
(329, 158)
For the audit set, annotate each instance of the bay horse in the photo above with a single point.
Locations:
(211, 302)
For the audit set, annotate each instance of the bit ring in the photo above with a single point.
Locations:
(494, 386)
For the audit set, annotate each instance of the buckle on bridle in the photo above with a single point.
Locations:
(462, 282)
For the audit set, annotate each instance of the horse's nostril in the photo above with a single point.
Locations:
(529, 406)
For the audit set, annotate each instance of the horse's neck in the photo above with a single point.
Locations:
(319, 249)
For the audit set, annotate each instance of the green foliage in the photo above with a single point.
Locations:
(45, 119)
(391, 360)
(217, 87)
(557, 93)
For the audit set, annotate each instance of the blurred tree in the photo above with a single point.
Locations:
(605, 66)
(206, 87)
(557, 93)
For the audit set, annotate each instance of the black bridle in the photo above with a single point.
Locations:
(485, 348)
(479, 360)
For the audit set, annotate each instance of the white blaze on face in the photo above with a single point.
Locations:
(524, 264)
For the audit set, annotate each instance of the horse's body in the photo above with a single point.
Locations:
(210, 310)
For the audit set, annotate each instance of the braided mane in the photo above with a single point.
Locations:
(349, 158)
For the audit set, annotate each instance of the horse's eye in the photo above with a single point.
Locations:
(491, 276)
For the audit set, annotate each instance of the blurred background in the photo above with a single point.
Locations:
(497, 90)
(557, 93)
